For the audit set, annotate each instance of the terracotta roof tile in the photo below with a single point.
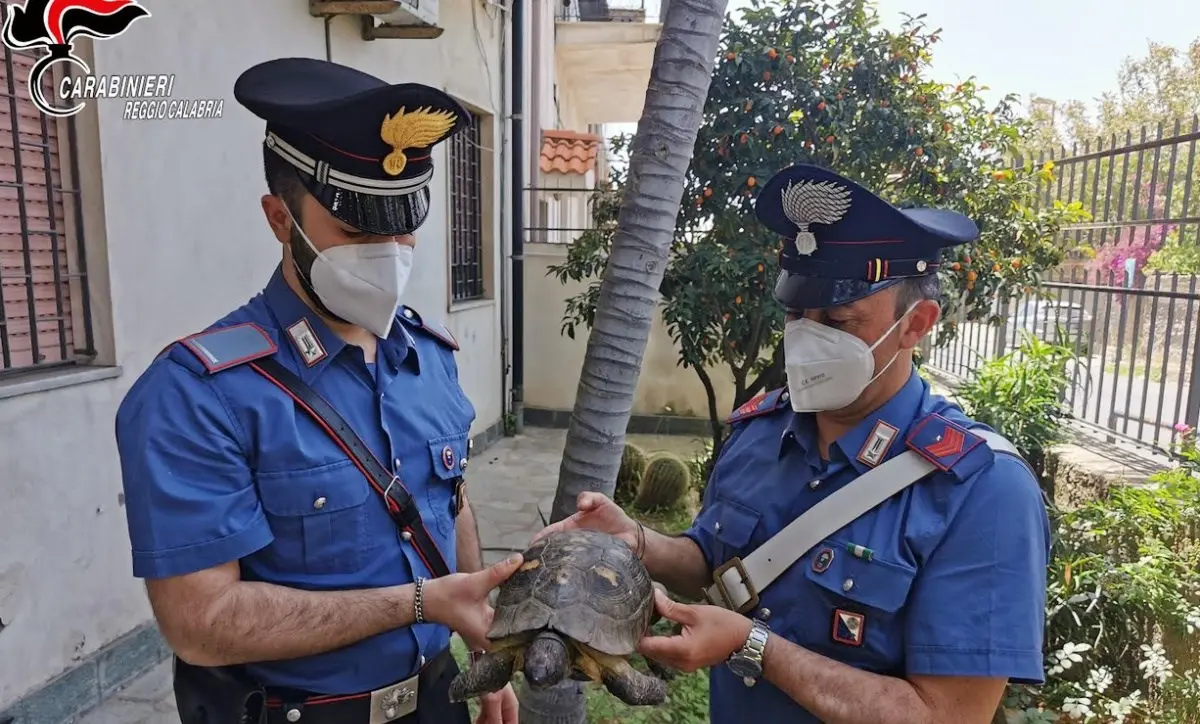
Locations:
(568, 151)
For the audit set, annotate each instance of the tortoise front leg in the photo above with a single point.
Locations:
(632, 686)
(490, 673)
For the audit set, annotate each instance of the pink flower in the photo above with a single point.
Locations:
(1183, 428)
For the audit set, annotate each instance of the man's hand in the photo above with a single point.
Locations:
(460, 600)
(498, 707)
(710, 634)
(596, 512)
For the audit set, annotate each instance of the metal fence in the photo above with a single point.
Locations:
(1135, 374)
(1133, 324)
(601, 11)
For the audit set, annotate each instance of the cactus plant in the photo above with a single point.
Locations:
(633, 466)
(664, 483)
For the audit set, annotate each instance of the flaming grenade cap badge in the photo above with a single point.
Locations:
(809, 202)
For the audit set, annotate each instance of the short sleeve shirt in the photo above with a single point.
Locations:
(221, 467)
(946, 577)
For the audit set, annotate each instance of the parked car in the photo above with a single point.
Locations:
(1044, 317)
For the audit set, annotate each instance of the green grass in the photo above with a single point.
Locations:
(687, 697)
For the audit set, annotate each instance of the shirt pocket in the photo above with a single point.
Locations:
(861, 601)
(318, 517)
(448, 455)
(732, 525)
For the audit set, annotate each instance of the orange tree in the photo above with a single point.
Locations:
(818, 82)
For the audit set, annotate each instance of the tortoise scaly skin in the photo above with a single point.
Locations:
(576, 608)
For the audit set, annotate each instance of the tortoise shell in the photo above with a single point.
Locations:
(583, 584)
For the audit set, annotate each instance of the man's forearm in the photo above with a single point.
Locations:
(677, 563)
(255, 621)
(470, 554)
(839, 694)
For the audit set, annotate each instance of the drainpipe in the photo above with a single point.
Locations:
(518, 214)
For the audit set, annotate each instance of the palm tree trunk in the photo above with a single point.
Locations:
(660, 155)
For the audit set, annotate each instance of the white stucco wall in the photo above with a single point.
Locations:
(186, 242)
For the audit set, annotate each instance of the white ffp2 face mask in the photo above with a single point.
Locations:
(827, 369)
(361, 283)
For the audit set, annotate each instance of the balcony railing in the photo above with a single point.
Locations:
(603, 11)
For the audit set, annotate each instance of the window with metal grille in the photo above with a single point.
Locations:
(44, 316)
(466, 214)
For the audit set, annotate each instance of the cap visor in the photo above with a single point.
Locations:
(799, 292)
(383, 215)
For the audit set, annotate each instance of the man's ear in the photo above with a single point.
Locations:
(920, 322)
(277, 217)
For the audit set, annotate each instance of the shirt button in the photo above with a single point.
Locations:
(406, 535)
(848, 584)
(420, 661)
(764, 613)
(293, 715)
(397, 463)
(408, 313)
(717, 526)
(784, 397)
(319, 503)
(814, 484)
(463, 463)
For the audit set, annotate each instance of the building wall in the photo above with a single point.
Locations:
(553, 360)
(176, 238)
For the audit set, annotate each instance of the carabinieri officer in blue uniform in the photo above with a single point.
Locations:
(871, 554)
(294, 474)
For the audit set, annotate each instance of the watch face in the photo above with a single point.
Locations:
(744, 667)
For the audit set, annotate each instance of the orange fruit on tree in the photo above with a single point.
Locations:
(972, 276)
(919, 151)
(772, 54)
(830, 139)
(790, 58)
(778, 129)
(744, 138)
(737, 299)
(821, 106)
(707, 192)
(731, 55)
(751, 182)
(766, 75)
(1016, 263)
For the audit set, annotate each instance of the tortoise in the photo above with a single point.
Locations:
(576, 609)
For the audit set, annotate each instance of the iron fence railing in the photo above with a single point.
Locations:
(602, 11)
(1135, 374)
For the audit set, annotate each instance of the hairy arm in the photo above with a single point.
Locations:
(213, 618)
(470, 554)
(839, 694)
(677, 563)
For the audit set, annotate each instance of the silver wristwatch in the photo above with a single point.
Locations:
(747, 662)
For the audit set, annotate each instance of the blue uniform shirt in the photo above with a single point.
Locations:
(945, 578)
(224, 467)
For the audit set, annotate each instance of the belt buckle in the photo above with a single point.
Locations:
(719, 581)
(393, 702)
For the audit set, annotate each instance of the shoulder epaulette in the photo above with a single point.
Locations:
(224, 347)
(950, 447)
(760, 404)
(436, 330)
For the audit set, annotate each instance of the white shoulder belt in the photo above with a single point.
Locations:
(737, 583)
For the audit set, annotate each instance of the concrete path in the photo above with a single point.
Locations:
(507, 482)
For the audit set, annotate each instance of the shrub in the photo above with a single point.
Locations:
(1020, 396)
(1123, 606)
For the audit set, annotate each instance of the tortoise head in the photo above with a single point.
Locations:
(547, 660)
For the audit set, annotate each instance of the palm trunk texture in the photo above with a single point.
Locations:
(660, 155)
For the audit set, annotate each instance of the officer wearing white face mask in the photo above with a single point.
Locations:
(871, 554)
(295, 474)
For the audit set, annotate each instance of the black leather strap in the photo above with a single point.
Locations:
(399, 502)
